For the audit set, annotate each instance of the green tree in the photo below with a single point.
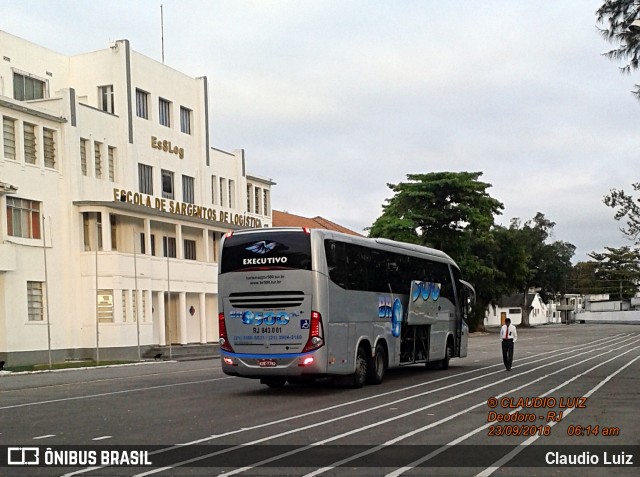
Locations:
(616, 16)
(536, 262)
(583, 280)
(628, 207)
(450, 211)
(436, 209)
(618, 271)
(453, 212)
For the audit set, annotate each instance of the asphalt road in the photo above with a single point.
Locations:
(573, 393)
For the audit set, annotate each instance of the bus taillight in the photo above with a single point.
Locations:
(316, 335)
(224, 341)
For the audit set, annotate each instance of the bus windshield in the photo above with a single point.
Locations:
(273, 251)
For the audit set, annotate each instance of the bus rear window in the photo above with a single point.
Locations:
(268, 251)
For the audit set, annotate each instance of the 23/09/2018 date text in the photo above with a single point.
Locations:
(518, 430)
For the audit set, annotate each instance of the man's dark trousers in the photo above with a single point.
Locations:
(507, 353)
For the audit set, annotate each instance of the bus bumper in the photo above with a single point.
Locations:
(285, 365)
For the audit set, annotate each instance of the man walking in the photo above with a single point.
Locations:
(508, 336)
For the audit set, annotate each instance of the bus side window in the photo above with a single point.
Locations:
(358, 264)
(379, 274)
(336, 262)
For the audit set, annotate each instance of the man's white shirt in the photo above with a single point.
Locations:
(512, 333)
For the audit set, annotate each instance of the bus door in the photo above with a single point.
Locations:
(467, 299)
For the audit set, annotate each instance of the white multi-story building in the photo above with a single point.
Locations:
(112, 204)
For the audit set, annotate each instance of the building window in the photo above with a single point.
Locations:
(142, 104)
(143, 245)
(114, 231)
(9, 136)
(49, 147)
(214, 188)
(214, 240)
(185, 120)
(26, 87)
(189, 249)
(92, 230)
(83, 156)
(169, 247)
(98, 159)
(85, 231)
(249, 208)
(223, 188)
(105, 94)
(187, 190)
(134, 304)
(99, 229)
(30, 154)
(232, 193)
(111, 153)
(105, 306)
(267, 205)
(167, 184)
(124, 305)
(145, 179)
(164, 110)
(257, 191)
(35, 301)
(23, 218)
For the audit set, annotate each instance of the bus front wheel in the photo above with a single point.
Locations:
(444, 364)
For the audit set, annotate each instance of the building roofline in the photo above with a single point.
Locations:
(27, 108)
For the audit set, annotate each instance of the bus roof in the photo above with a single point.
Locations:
(380, 243)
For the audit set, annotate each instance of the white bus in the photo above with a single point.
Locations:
(298, 304)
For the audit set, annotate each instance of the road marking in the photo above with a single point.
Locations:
(120, 378)
(391, 419)
(317, 411)
(481, 428)
(378, 423)
(555, 352)
(44, 437)
(124, 391)
(499, 463)
(101, 438)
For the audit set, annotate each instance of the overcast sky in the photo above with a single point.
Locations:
(335, 99)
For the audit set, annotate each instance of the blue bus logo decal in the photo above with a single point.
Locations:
(267, 318)
(391, 311)
(425, 290)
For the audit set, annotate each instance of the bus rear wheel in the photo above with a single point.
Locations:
(377, 366)
(359, 377)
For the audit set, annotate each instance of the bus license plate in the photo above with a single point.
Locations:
(267, 363)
